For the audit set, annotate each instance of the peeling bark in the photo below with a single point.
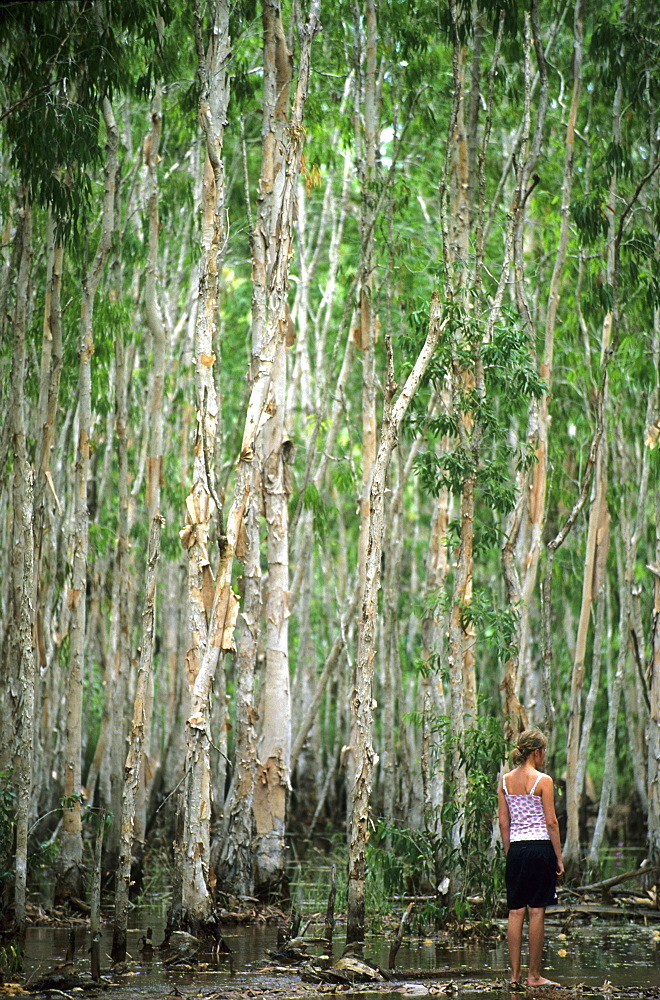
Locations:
(212, 611)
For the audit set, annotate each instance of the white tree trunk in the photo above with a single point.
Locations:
(192, 903)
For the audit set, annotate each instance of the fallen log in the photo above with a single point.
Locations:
(615, 880)
(623, 911)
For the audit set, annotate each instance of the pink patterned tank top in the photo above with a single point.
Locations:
(526, 814)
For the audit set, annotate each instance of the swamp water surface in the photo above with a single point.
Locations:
(624, 954)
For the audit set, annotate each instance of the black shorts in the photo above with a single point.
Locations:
(531, 874)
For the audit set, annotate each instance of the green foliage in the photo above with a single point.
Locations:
(11, 959)
(510, 380)
(477, 865)
(58, 61)
(406, 859)
(323, 512)
(496, 625)
(402, 861)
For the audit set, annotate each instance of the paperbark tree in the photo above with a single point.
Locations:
(69, 881)
(21, 658)
(653, 774)
(133, 805)
(363, 709)
(556, 282)
(595, 552)
(192, 903)
(47, 508)
(265, 436)
(531, 504)
(235, 868)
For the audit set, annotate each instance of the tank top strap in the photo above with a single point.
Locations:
(504, 785)
(533, 788)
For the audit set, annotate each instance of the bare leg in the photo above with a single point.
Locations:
(536, 932)
(514, 935)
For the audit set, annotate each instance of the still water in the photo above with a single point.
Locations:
(623, 954)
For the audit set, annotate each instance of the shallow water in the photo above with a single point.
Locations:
(624, 954)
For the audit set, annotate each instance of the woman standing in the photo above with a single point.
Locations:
(530, 835)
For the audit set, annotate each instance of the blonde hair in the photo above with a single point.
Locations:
(528, 741)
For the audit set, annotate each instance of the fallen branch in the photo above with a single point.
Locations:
(396, 943)
(609, 882)
(624, 911)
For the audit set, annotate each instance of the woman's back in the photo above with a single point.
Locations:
(521, 780)
(525, 806)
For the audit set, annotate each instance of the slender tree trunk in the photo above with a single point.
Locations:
(595, 553)
(653, 733)
(366, 135)
(192, 902)
(531, 501)
(434, 630)
(137, 737)
(273, 778)
(134, 797)
(22, 653)
(70, 874)
(159, 344)
(366, 141)
(236, 866)
(45, 498)
(614, 697)
(360, 792)
(117, 685)
(282, 144)
(594, 686)
(653, 736)
(47, 507)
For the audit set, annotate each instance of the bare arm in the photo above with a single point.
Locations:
(503, 819)
(547, 792)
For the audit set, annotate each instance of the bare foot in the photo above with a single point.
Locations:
(541, 982)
